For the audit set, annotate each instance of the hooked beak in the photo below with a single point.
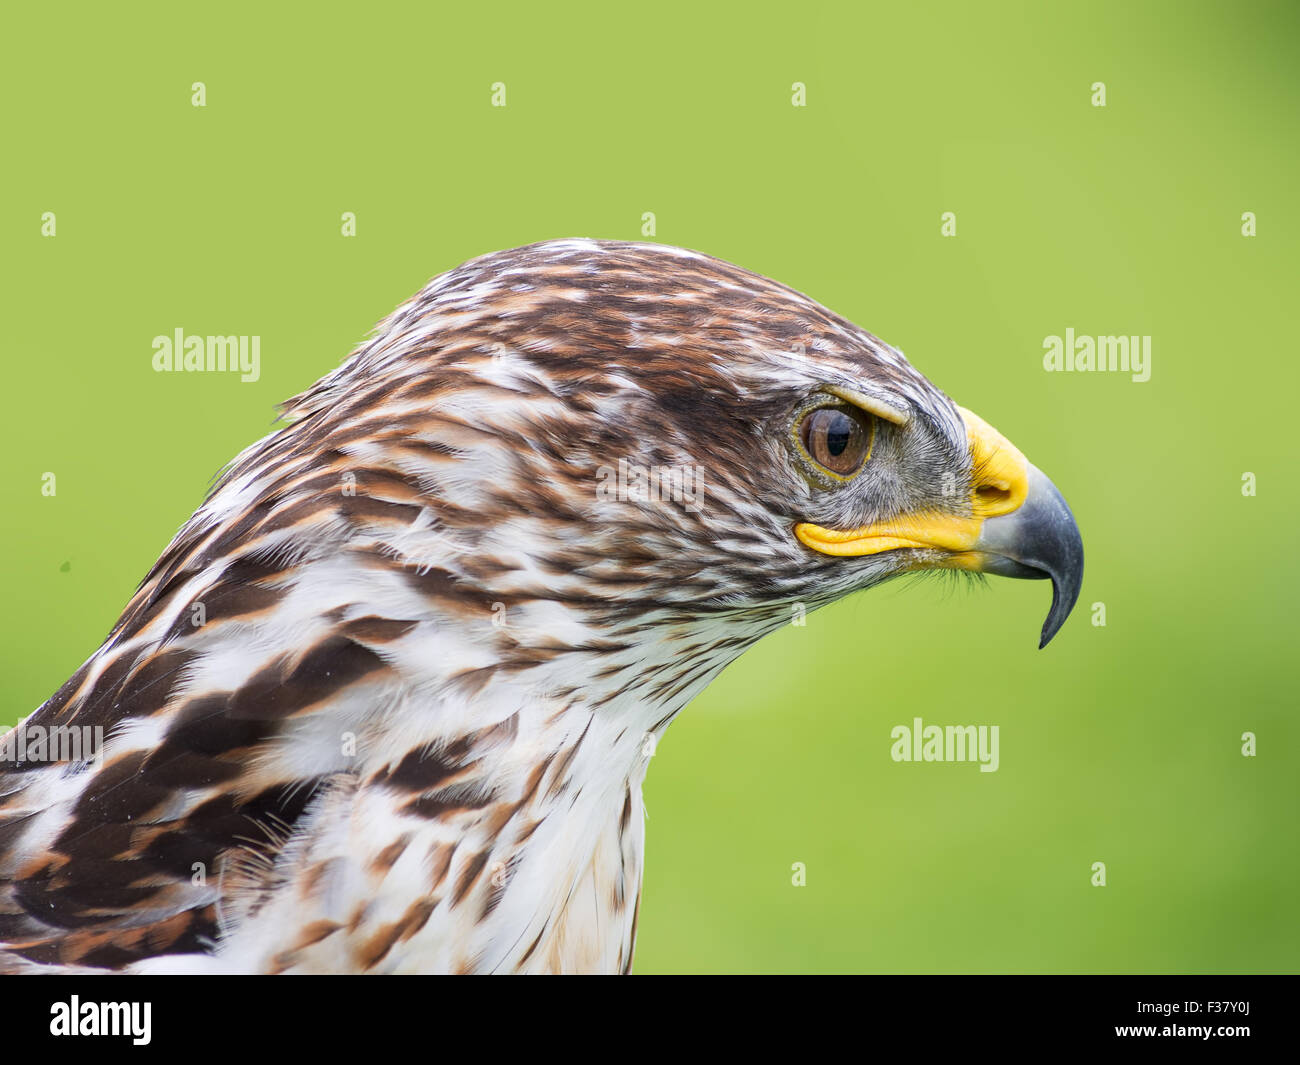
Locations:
(1039, 540)
(1019, 526)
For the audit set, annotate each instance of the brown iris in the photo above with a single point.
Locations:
(837, 438)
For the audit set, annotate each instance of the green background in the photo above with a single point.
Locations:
(1118, 744)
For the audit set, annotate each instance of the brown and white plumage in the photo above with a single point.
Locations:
(410, 730)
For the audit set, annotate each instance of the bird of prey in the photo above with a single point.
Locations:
(385, 703)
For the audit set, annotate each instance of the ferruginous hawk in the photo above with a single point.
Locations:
(383, 704)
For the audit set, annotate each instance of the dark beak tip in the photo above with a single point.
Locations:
(1046, 637)
(1065, 593)
(1038, 541)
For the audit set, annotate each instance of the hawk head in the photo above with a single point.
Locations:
(653, 437)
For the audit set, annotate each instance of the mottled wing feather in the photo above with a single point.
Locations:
(143, 837)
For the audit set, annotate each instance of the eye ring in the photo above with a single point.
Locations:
(837, 439)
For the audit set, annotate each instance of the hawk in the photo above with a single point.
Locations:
(383, 704)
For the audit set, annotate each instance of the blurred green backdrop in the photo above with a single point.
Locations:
(1119, 743)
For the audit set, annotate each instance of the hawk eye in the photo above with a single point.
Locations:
(837, 438)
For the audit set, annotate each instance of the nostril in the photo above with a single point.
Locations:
(993, 494)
